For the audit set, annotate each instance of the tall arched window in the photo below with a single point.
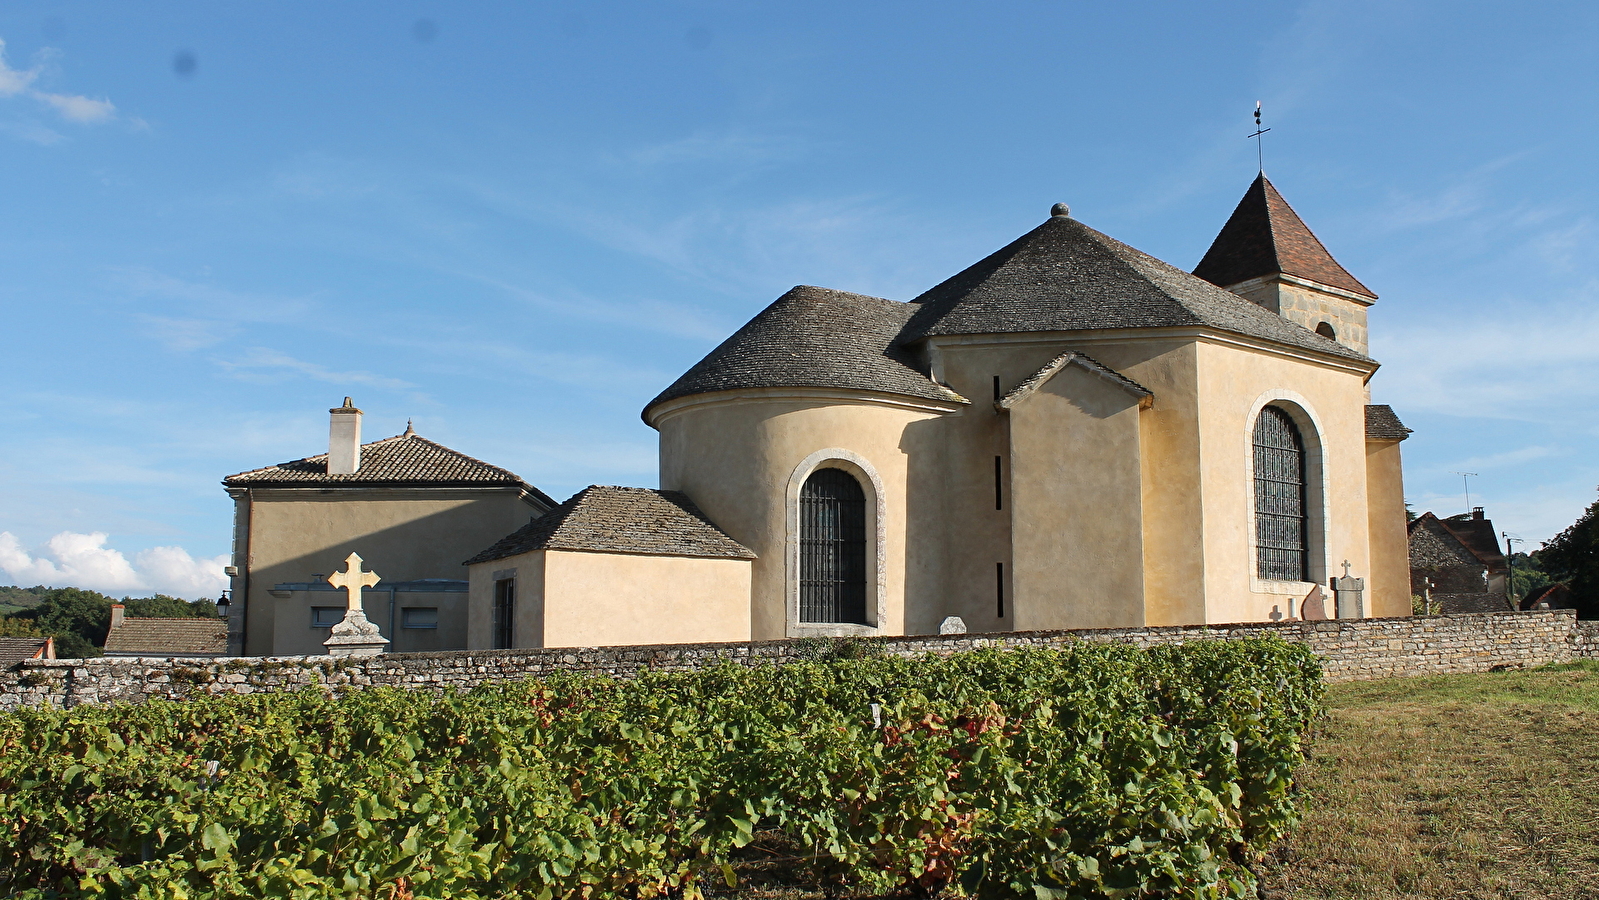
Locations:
(1281, 541)
(832, 554)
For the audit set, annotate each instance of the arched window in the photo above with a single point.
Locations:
(832, 563)
(1281, 543)
(1326, 330)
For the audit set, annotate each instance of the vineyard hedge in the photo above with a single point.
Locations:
(1100, 770)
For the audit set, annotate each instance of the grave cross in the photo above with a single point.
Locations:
(1346, 568)
(352, 579)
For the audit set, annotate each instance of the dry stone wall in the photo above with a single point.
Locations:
(1350, 650)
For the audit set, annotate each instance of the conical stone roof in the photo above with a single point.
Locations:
(1265, 237)
(1065, 276)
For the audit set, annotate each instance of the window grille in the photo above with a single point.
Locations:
(504, 612)
(832, 549)
(1282, 551)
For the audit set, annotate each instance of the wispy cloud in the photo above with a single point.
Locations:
(73, 559)
(263, 364)
(72, 107)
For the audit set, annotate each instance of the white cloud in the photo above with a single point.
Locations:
(79, 108)
(71, 559)
(72, 107)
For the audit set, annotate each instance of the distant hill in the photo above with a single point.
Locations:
(13, 599)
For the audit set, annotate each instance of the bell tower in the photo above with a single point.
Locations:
(1267, 255)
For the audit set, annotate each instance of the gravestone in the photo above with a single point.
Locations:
(355, 635)
(952, 625)
(1350, 594)
(1314, 606)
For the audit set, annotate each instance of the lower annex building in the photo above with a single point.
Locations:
(1067, 434)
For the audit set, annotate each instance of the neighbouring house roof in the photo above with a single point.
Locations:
(168, 637)
(1383, 425)
(1065, 276)
(1478, 535)
(1457, 540)
(604, 519)
(1556, 596)
(405, 459)
(1071, 357)
(14, 650)
(1495, 601)
(817, 338)
(1264, 236)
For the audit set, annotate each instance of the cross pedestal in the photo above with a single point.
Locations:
(355, 635)
(1350, 595)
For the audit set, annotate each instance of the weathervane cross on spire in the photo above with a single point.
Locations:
(1260, 155)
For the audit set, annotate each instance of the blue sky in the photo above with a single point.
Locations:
(517, 222)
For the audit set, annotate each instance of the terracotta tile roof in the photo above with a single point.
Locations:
(1383, 425)
(1065, 276)
(621, 520)
(404, 459)
(17, 649)
(819, 338)
(1264, 236)
(169, 637)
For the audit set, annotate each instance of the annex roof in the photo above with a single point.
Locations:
(1071, 357)
(1474, 535)
(168, 637)
(1065, 276)
(819, 338)
(605, 519)
(405, 459)
(1264, 236)
(1382, 424)
(17, 649)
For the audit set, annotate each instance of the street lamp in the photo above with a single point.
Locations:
(222, 605)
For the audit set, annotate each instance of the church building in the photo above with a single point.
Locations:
(1069, 433)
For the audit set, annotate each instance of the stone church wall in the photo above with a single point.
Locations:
(1350, 650)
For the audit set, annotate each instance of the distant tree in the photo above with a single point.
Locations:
(1573, 557)
(21, 597)
(1410, 513)
(1526, 575)
(162, 606)
(13, 627)
(78, 619)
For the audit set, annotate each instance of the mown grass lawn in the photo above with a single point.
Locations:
(1460, 787)
(1466, 786)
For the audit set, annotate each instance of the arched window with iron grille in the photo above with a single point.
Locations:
(832, 554)
(1282, 548)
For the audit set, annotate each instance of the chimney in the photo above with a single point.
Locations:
(116, 616)
(344, 440)
(1476, 513)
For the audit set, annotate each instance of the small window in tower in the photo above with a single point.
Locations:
(326, 616)
(1326, 330)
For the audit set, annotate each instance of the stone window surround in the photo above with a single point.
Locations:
(876, 556)
(1318, 519)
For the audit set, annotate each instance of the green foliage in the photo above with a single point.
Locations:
(19, 628)
(1526, 575)
(21, 597)
(1573, 557)
(162, 606)
(79, 620)
(1101, 770)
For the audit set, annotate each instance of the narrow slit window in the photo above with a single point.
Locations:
(1282, 550)
(504, 613)
(999, 584)
(999, 484)
(832, 549)
(997, 397)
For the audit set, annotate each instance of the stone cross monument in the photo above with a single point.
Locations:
(1350, 595)
(354, 636)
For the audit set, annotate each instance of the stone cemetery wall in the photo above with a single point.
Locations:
(1350, 650)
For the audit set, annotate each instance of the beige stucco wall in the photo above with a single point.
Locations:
(738, 456)
(580, 599)
(1076, 509)
(403, 535)
(1328, 403)
(1389, 588)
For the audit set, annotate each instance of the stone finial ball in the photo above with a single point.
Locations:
(1060, 209)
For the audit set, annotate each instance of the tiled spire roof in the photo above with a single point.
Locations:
(404, 459)
(1265, 236)
(605, 519)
